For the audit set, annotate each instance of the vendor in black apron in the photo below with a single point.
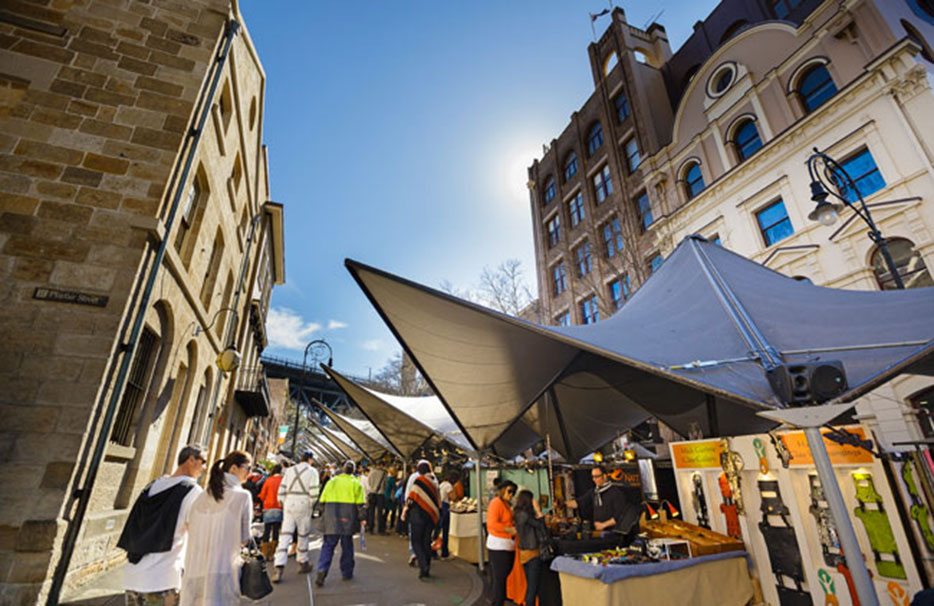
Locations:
(612, 510)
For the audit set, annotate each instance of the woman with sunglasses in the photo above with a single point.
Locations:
(500, 540)
(219, 524)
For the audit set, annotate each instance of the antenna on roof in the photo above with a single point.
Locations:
(653, 19)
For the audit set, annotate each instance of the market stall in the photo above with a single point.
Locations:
(711, 344)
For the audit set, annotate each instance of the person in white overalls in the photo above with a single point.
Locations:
(298, 494)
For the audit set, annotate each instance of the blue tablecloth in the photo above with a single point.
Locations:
(617, 572)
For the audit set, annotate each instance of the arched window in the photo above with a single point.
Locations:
(746, 139)
(783, 8)
(550, 190)
(733, 30)
(815, 86)
(570, 166)
(594, 139)
(693, 180)
(908, 261)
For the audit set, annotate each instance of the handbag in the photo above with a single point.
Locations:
(254, 580)
(547, 546)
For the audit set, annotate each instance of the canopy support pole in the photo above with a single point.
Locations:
(479, 516)
(811, 418)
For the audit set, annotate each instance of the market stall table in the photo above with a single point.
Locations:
(717, 580)
(549, 583)
(463, 536)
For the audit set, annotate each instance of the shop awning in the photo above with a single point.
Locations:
(363, 433)
(688, 348)
(406, 422)
(339, 440)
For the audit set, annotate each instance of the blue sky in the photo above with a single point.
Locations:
(399, 135)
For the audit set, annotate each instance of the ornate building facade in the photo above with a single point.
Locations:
(714, 138)
(138, 243)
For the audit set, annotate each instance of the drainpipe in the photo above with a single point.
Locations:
(128, 348)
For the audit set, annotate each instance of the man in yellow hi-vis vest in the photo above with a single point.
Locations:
(344, 514)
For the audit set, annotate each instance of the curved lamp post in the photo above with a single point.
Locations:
(828, 178)
(317, 349)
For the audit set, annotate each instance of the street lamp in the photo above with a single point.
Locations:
(317, 348)
(828, 178)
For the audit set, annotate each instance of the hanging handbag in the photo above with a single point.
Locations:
(254, 580)
(547, 546)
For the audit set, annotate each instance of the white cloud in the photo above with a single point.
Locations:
(287, 329)
(335, 324)
(372, 345)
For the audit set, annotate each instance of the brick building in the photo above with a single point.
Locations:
(713, 139)
(137, 243)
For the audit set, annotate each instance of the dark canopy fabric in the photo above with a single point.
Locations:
(363, 433)
(406, 422)
(689, 348)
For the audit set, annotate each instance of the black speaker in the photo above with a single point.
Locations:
(808, 383)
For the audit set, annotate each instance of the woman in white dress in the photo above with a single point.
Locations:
(218, 525)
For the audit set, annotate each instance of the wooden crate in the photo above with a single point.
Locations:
(702, 540)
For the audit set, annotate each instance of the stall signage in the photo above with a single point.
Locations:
(696, 455)
(839, 454)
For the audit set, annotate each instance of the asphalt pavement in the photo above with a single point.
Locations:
(382, 577)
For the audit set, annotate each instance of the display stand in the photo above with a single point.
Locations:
(792, 469)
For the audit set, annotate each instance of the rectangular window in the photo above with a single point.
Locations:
(602, 184)
(862, 168)
(550, 191)
(576, 209)
(774, 223)
(644, 209)
(559, 276)
(584, 259)
(563, 319)
(622, 107)
(612, 237)
(655, 262)
(620, 289)
(135, 390)
(590, 314)
(570, 169)
(633, 158)
(554, 231)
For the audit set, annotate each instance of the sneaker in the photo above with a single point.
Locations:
(304, 567)
(447, 558)
(319, 578)
(277, 575)
(412, 563)
(423, 576)
(350, 578)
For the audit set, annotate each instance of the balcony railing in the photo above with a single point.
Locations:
(252, 393)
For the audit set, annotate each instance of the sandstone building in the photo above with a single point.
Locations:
(713, 139)
(137, 243)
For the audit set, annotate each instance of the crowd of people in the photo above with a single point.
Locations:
(184, 544)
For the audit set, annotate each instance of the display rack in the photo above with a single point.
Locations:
(793, 544)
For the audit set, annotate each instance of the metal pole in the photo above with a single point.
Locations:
(851, 550)
(479, 517)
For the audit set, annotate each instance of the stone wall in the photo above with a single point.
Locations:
(95, 98)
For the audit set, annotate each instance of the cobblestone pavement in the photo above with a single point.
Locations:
(382, 578)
